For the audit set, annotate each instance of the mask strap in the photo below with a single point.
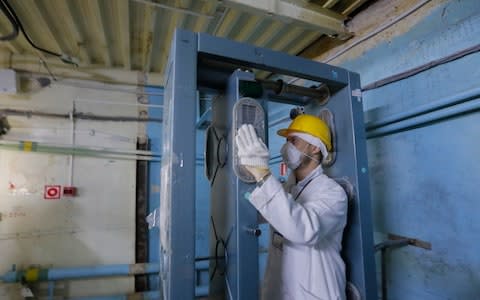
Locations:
(306, 154)
(310, 157)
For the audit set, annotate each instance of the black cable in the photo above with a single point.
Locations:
(204, 258)
(214, 175)
(20, 25)
(218, 242)
(219, 165)
(216, 246)
(421, 68)
(45, 65)
(14, 24)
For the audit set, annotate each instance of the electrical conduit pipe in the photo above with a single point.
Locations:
(53, 274)
(152, 295)
(434, 116)
(427, 108)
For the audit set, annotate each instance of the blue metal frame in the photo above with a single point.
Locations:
(154, 133)
(231, 213)
(249, 56)
(201, 61)
(177, 205)
(351, 164)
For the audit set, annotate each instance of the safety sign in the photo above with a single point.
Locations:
(52, 192)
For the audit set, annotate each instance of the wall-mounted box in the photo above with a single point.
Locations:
(8, 81)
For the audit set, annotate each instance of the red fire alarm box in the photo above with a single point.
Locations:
(52, 192)
(69, 191)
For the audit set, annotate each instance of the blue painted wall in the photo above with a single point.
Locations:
(424, 181)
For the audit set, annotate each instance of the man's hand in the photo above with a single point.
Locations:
(252, 152)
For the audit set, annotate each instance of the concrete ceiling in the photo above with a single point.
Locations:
(135, 35)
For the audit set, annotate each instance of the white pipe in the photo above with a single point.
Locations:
(86, 86)
(112, 151)
(25, 134)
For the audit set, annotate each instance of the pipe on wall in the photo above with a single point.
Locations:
(421, 68)
(29, 146)
(458, 104)
(423, 109)
(75, 115)
(425, 119)
(201, 291)
(54, 274)
(151, 295)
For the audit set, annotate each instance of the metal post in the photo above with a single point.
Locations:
(141, 207)
(177, 205)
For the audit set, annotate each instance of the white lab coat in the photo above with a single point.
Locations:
(305, 263)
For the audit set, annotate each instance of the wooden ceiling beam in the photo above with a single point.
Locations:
(308, 15)
(352, 7)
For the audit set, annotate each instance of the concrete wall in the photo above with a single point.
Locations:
(424, 180)
(97, 226)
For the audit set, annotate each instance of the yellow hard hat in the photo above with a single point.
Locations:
(312, 125)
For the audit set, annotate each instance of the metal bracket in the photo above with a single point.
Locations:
(411, 241)
(395, 241)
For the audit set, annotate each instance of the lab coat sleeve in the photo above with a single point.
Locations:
(306, 223)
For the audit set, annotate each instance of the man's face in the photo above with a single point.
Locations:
(303, 146)
(299, 143)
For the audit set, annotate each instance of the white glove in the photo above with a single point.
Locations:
(251, 149)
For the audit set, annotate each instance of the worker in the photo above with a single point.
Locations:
(307, 215)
